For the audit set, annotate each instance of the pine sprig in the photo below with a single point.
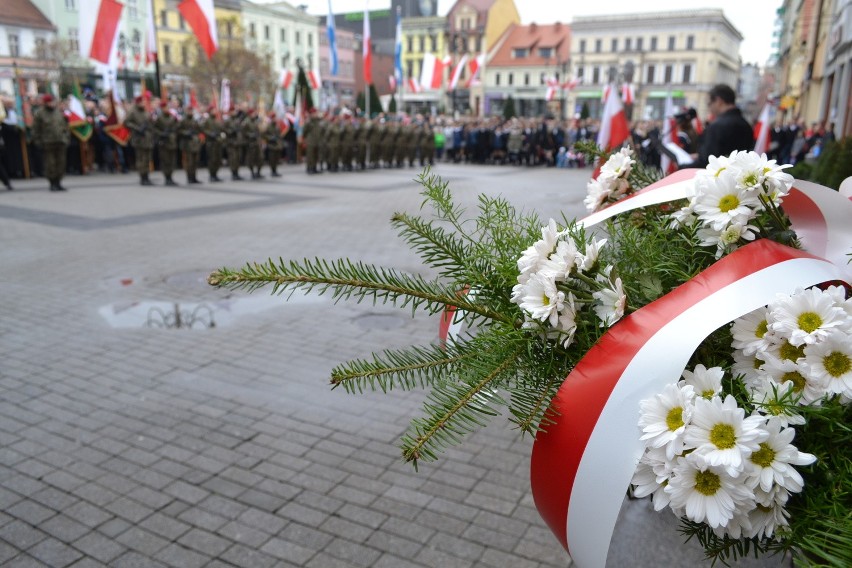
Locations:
(350, 280)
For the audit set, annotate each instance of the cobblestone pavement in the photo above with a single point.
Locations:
(126, 444)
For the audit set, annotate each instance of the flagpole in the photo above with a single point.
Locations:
(23, 136)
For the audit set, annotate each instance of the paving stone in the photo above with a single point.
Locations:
(262, 520)
(21, 534)
(54, 553)
(64, 528)
(354, 553)
(165, 526)
(186, 492)
(285, 550)
(176, 555)
(100, 547)
(136, 560)
(142, 541)
(30, 511)
(244, 534)
(204, 542)
(246, 557)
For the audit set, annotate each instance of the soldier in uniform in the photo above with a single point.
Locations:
(142, 137)
(361, 140)
(376, 142)
(347, 141)
(214, 134)
(427, 145)
(167, 127)
(236, 143)
(388, 142)
(254, 142)
(190, 143)
(412, 143)
(274, 144)
(332, 139)
(50, 133)
(312, 133)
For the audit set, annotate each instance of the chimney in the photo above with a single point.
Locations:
(533, 27)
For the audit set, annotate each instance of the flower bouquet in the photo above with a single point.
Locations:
(672, 344)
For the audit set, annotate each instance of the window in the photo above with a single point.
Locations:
(410, 69)
(167, 54)
(687, 73)
(283, 35)
(265, 32)
(421, 41)
(230, 28)
(164, 19)
(526, 79)
(310, 38)
(598, 45)
(14, 46)
(511, 79)
(545, 52)
(690, 42)
(433, 40)
(654, 43)
(70, 4)
(132, 12)
(672, 43)
(478, 44)
(668, 72)
(410, 44)
(580, 71)
(639, 43)
(284, 61)
(542, 79)
(650, 78)
(614, 45)
(184, 55)
(519, 52)
(181, 22)
(298, 37)
(582, 46)
(497, 79)
(74, 39)
(596, 75)
(41, 48)
(252, 30)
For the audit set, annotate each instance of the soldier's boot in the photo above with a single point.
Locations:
(170, 182)
(235, 175)
(274, 173)
(143, 180)
(193, 179)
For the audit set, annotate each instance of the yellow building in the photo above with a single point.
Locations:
(421, 35)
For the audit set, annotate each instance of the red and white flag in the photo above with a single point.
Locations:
(628, 93)
(201, 17)
(761, 130)
(552, 88)
(605, 94)
(314, 79)
(75, 113)
(367, 49)
(414, 86)
(225, 96)
(669, 135)
(572, 84)
(285, 79)
(614, 128)
(454, 80)
(150, 35)
(475, 65)
(392, 82)
(98, 29)
(432, 73)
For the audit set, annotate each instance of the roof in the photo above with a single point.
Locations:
(480, 6)
(23, 13)
(533, 37)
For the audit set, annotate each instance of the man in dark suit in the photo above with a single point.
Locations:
(728, 132)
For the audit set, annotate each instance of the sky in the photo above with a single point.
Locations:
(755, 19)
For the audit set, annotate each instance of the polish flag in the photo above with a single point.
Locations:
(475, 66)
(285, 79)
(367, 49)
(392, 82)
(669, 135)
(458, 71)
(432, 74)
(75, 113)
(414, 86)
(614, 128)
(201, 18)
(605, 95)
(150, 35)
(761, 131)
(98, 28)
(572, 84)
(628, 93)
(552, 87)
(314, 79)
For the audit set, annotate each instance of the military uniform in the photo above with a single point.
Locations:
(333, 142)
(427, 146)
(142, 138)
(167, 127)
(347, 143)
(312, 132)
(235, 144)
(376, 143)
(254, 149)
(361, 141)
(190, 143)
(214, 133)
(274, 144)
(50, 133)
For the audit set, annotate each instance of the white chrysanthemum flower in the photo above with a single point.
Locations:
(646, 482)
(683, 217)
(611, 302)
(721, 434)
(740, 523)
(665, 417)
(767, 396)
(749, 368)
(541, 299)
(716, 165)
(773, 463)
(706, 382)
(830, 363)
(532, 258)
(750, 169)
(586, 261)
(811, 391)
(562, 262)
(727, 238)
(567, 322)
(619, 164)
(769, 512)
(776, 182)
(596, 195)
(806, 317)
(723, 202)
(751, 332)
(706, 493)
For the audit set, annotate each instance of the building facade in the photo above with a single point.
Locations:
(337, 89)
(522, 64)
(421, 35)
(836, 100)
(682, 53)
(25, 33)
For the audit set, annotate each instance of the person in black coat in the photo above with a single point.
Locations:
(728, 132)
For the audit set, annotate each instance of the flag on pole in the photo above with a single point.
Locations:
(414, 86)
(314, 79)
(552, 87)
(113, 127)
(332, 41)
(432, 73)
(225, 96)
(98, 28)
(454, 80)
(150, 35)
(475, 65)
(614, 128)
(572, 84)
(367, 49)
(397, 54)
(278, 103)
(285, 79)
(76, 114)
(761, 130)
(201, 17)
(628, 93)
(669, 135)
(605, 94)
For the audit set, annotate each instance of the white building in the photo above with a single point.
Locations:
(25, 33)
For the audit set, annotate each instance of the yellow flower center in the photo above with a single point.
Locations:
(545, 299)
(809, 321)
(674, 419)
(764, 456)
(719, 171)
(723, 436)
(789, 352)
(728, 203)
(796, 378)
(761, 329)
(837, 364)
(708, 394)
(707, 483)
(757, 363)
(750, 180)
